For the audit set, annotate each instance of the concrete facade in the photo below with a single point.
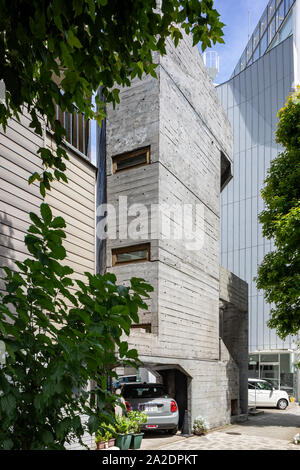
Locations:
(180, 118)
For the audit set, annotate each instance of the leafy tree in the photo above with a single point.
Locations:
(58, 335)
(63, 51)
(279, 273)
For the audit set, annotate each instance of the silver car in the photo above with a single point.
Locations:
(154, 400)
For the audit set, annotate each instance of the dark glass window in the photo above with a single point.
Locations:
(263, 385)
(144, 391)
(131, 254)
(132, 159)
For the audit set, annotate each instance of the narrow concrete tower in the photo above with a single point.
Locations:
(169, 148)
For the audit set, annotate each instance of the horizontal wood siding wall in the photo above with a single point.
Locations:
(18, 160)
(74, 201)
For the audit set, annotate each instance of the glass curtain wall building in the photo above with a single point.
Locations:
(266, 73)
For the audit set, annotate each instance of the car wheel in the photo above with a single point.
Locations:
(282, 404)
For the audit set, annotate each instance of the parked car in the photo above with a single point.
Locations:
(154, 400)
(262, 393)
(123, 379)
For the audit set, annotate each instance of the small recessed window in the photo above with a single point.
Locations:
(142, 326)
(131, 254)
(128, 160)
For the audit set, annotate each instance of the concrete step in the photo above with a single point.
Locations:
(254, 412)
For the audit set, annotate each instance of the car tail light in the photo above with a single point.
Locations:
(173, 406)
(128, 407)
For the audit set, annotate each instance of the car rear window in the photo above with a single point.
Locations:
(144, 391)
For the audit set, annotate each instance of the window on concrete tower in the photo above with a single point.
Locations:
(128, 160)
(131, 254)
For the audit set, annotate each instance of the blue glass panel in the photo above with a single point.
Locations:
(264, 43)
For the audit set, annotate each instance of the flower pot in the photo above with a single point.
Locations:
(199, 432)
(136, 441)
(111, 442)
(123, 441)
(101, 445)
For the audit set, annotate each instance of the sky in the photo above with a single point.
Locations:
(234, 13)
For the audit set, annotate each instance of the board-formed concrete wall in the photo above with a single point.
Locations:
(180, 118)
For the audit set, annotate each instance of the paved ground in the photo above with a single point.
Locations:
(272, 430)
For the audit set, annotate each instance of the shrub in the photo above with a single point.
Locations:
(137, 419)
(59, 336)
(200, 426)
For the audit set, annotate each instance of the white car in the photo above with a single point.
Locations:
(262, 393)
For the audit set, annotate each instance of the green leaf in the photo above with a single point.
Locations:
(132, 354)
(120, 309)
(8, 403)
(73, 41)
(123, 348)
(93, 423)
(33, 177)
(36, 220)
(58, 222)
(47, 437)
(46, 213)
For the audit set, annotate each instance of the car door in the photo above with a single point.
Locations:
(251, 394)
(264, 394)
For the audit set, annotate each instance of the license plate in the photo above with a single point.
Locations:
(151, 409)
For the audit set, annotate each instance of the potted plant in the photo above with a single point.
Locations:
(123, 434)
(200, 426)
(137, 419)
(112, 435)
(105, 436)
(102, 439)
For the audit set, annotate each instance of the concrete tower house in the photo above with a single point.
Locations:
(169, 148)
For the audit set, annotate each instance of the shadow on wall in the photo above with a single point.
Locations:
(6, 246)
(234, 334)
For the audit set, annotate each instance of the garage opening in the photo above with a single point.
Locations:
(177, 384)
(173, 377)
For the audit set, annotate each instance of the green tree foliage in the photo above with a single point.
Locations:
(59, 335)
(279, 273)
(63, 51)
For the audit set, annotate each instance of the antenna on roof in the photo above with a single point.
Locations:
(211, 61)
(249, 16)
